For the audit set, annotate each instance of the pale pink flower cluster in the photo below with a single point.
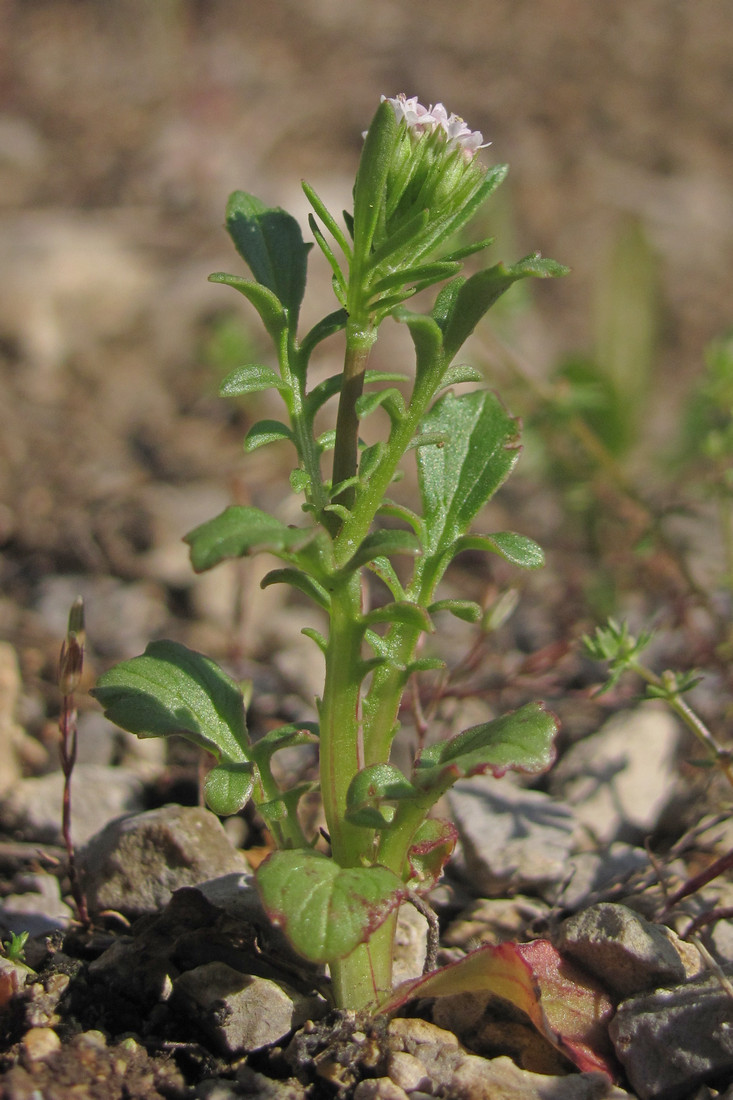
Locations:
(424, 120)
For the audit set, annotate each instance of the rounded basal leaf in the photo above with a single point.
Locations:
(325, 910)
(228, 787)
(173, 690)
(370, 789)
(522, 740)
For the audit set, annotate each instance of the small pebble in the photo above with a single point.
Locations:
(40, 1042)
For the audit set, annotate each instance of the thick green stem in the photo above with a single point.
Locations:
(340, 737)
(359, 342)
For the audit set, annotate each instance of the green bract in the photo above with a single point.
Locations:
(419, 181)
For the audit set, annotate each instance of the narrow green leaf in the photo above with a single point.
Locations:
(315, 636)
(467, 610)
(522, 740)
(324, 910)
(228, 787)
(271, 242)
(425, 274)
(376, 155)
(251, 379)
(296, 578)
(267, 304)
(384, 569)
(401, 611)
(174, 690)
(517, 549)
(454, 376)
(239, 531)
(284, 737)
(264, 432)
(327, 218)
(383, 543)
(324, 328)
(391, 399)
(477, 295)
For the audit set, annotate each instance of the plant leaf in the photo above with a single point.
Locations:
(251, 379)
(380, 543)
(324, 910)
(458, 478)
(431, 848)
(522, 740)
(565, 1005)
(264, 432)
(174, 690)
(518, 549)
(239, 531)
(296, 578)
(267, 304)
(271, 242)
(467, 610)
(478, 294)
(228, 787)
(401, 611)
(576, 1007)
(369, 789)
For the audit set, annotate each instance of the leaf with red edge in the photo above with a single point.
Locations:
(431, 848)
(577, 1008)
(325, 910)
(567, 1006)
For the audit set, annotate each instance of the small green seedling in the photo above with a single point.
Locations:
(419, 182)
(14, 948)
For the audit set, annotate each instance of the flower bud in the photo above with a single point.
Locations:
(71, 660)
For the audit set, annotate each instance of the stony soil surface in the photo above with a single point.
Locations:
(122, 129)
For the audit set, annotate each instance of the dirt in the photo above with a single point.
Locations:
(122, 130)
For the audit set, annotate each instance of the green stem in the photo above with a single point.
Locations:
(359, 342)
(688, 716)
(340, 737)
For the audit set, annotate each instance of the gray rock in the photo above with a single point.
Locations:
(32, 810)
(494, 920)
(36, 911)
(240, 1012)
(462, 1076)
(410, 944)
(248, 1082)
(628, 953)
(591, 874)
(135, 863)
(672, 1041)
(621, 779)
(512, 839)
(379, 1088)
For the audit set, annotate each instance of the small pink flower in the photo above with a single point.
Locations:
(423, 120)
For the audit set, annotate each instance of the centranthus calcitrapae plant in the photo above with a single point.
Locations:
(419, 182)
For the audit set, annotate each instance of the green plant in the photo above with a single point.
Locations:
(418, 183)
(14, 948)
